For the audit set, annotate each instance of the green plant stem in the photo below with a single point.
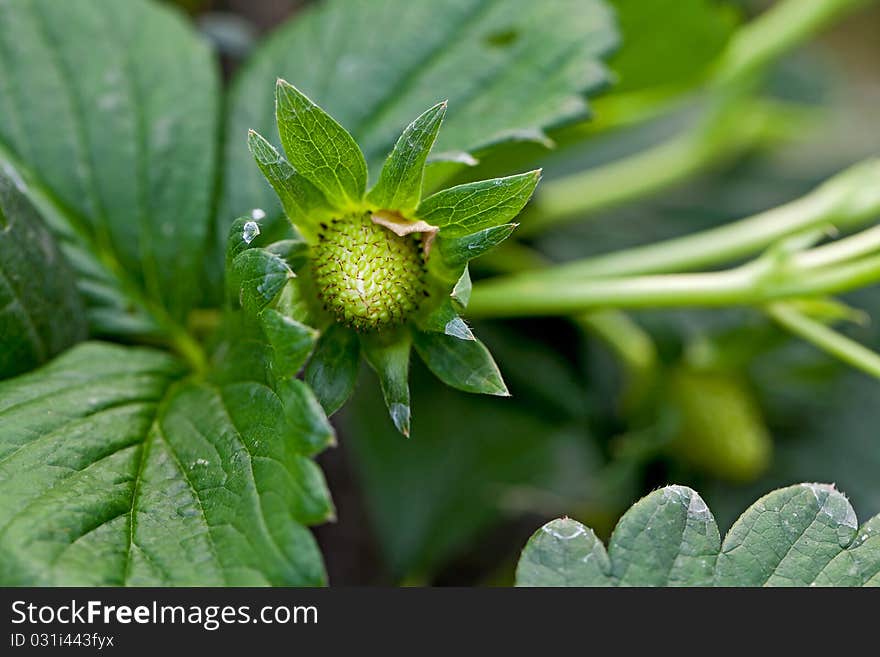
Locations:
(758, 282)
(715, 138)
(572, 197)
(826, 338)
(845, 201)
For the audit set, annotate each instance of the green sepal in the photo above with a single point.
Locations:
(463, 364)
(311, 428)
(292, 343)
(333, 369)
(471, 207)
(458, 251)
(260, 276)
(319, 148)
(389, 358)
(400, 183)
(461, 291)
(445, 319)
(303, 203)
(244, 234)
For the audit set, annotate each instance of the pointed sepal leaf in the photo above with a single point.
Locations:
(291, 342)
(445, 319)
(461, 292)
(548, 557)
(400, 183)
(472, 207)
(463, 364)
(319, 148)
(332, 371)
(303, 203)
(458, 251)
(787, 538)
(260, 275)
(309, 425)
(390, 360)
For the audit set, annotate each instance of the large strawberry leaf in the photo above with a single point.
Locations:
(40, 310)
(108, 113)
(803, 535)
(115, 470)
(509, 68)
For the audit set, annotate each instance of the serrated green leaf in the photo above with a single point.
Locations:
(668, 538)
(291, 341)
(373, 84)
(116, 141)
(787, 537)
(333, 369)
(302, 202)
(472, 207)
(244, 233)
(115, 472)
(319, 148)
(548, 557)
(390, 361)
(458, 251)
(260, 275)
(400, 183)
(40, 309)
(802, 535)
(463, 364)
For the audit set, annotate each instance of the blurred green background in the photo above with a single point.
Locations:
(735, 407)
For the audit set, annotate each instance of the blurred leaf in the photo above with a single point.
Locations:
(113, 471)
(40, 310)
(802, 535)
(108, 111)
(669, 43)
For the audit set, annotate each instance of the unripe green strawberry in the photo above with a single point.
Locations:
(366, 276)
(720, 429)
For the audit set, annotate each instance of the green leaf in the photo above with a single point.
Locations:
(333, 369)
(668, 538)
(802, 535)
(669, 43)
(390, 360)
(550, 553)
(787, 537)
(261, 275)
(292, 342)
(113, 471)
(458, 251)
(40, 310)
(444, 319)
(375, 65)
(472, 207)
(400, 183)
(301, 200)
(108, 112)
(463, 364)
(319, 148)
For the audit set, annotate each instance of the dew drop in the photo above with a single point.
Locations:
(250, 231)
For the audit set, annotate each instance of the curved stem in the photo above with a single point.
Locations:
(849, 199)
(826, 338)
